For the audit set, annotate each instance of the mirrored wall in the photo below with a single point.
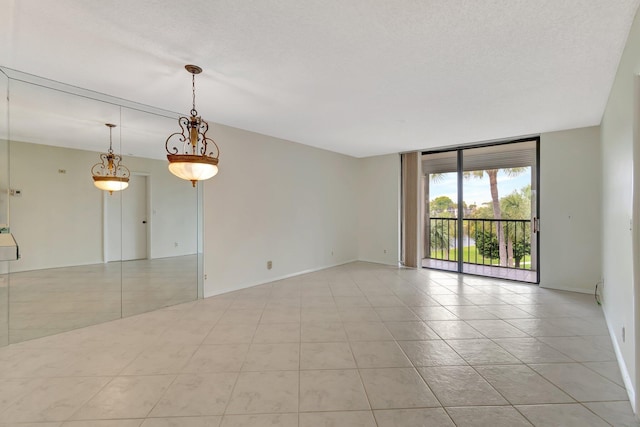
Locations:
(4, 205)
(88, 256)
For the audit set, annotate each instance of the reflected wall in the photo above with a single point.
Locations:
(88, 256)
(4, 205)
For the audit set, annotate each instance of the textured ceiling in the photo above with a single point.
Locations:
(360, 77)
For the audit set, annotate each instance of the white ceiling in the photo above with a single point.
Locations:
(360, 77)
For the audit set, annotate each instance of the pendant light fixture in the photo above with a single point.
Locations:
(190, 151)
(109, 175)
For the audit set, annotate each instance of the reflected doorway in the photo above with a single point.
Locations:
(135, 219)
(126, 221)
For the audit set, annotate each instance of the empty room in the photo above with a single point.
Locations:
(302, 213)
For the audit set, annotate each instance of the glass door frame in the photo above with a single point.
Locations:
(535, 220)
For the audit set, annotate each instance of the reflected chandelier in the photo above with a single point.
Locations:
(109, 175)
(190, 152)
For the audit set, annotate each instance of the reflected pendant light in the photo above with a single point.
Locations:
(109, 175)
(190, 153)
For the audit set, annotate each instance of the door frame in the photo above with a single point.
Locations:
(147, 178)
(460, 169)
(105, 219)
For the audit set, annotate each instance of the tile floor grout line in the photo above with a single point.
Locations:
(70, 417)
(226, 406)
(360, 374)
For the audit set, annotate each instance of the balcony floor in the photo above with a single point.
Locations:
(529, 276)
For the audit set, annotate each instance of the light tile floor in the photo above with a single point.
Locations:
(356, 345)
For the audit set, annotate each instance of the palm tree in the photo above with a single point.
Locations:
(495, 202)
(517, 205)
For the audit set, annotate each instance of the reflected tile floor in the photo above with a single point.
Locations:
(355, 345)
(54, 300)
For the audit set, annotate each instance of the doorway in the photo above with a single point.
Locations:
(481, 210)
(127, 221)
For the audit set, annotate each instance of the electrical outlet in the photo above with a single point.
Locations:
(269, 265)
(205, 277)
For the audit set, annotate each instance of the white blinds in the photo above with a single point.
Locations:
(493, 157)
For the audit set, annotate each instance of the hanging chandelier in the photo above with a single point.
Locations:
(190, 151)
(109, 175)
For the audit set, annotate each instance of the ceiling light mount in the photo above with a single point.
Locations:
(110, 175)
(193, 69)
(192, 155)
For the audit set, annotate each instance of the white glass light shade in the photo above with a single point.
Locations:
(193, 171)
(193, 168)
(111, 184)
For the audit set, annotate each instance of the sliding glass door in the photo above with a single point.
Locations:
(481, 208)
(440, 182)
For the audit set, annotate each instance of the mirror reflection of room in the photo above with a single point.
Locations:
(4, 205)
(88, 256)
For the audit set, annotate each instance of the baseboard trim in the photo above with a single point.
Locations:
(379, 262)
(274, 279)
(569, 289)
(626, 378)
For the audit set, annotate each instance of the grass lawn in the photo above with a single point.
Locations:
(471, 255)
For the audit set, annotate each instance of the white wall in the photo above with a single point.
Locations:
(570, 219)
(58, 219)
(379, 209)
(617, 136)
(275, 200)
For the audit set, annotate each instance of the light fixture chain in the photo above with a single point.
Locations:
(110, 140)
(193, 91)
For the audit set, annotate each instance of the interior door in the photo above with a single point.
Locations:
(134, 219)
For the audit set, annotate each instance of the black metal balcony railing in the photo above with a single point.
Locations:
(481, 241)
